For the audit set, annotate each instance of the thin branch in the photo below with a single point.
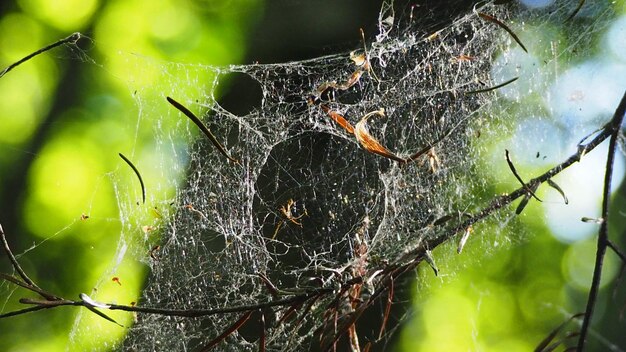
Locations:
(412, 258)
(617, 251)
(36, 289)
(72, 39)
(504, 200)
(612, 128)
(194, 313)
(262, 338)
(29, 284)
(23, 311)
(387, 309)
(14, 262)
(543, 345)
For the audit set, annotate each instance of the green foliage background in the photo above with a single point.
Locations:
(65, 115)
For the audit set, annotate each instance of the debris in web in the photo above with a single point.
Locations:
(309, 233)
(328, 210)
(132, 166)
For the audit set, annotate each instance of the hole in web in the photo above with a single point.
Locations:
(332, 183)
(242, 93)
(298, 217)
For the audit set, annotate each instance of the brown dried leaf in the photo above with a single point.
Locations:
(339, 119)
(370, 143)
(387, 308)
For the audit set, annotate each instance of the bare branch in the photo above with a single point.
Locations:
(72, 39)
(612, 129)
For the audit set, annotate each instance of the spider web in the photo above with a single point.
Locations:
(306, 205)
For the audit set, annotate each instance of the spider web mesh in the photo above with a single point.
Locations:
(305, 196)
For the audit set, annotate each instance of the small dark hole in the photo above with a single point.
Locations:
(240, 94)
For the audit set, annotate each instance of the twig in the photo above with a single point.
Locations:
(194, 313)
(262, 339)
(612, 128)
(543, 345)
(14, 262)
(617, 251)
(30, 284)
(23, 311)
(72, 39)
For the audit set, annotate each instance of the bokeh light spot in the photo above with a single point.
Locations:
(67, 15)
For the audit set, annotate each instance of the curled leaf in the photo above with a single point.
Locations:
(339, 119)
(371, 144)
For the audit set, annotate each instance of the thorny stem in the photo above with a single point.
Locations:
(613, 128)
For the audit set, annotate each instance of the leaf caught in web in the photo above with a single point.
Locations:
(368, 142)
